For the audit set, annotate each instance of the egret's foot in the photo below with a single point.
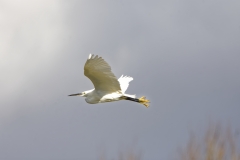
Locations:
(144, 101)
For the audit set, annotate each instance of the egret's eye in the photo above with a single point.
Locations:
(83, 92)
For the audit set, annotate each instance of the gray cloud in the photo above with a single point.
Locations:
(183, 57)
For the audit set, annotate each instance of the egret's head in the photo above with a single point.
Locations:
(83, 94)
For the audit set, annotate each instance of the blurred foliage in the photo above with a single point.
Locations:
(129, 154)
(218, 144)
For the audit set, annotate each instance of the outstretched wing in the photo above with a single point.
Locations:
(99, 72)
(124, 82)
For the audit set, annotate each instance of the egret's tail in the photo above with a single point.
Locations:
(130, 95)
(141, 100)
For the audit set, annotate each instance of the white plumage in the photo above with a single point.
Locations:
(124, 82)
(107, 87)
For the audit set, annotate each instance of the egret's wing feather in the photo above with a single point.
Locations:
(124, 82)
(99, 72)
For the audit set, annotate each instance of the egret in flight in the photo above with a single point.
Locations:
(107, 87)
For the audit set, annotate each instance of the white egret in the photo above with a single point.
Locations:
(107, 87)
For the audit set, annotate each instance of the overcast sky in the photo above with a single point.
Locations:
(183, 55)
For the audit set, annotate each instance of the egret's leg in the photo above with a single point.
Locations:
(141, 100)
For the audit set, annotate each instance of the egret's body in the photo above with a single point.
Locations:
(107, 87)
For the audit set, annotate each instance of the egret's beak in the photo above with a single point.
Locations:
(77, 94)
